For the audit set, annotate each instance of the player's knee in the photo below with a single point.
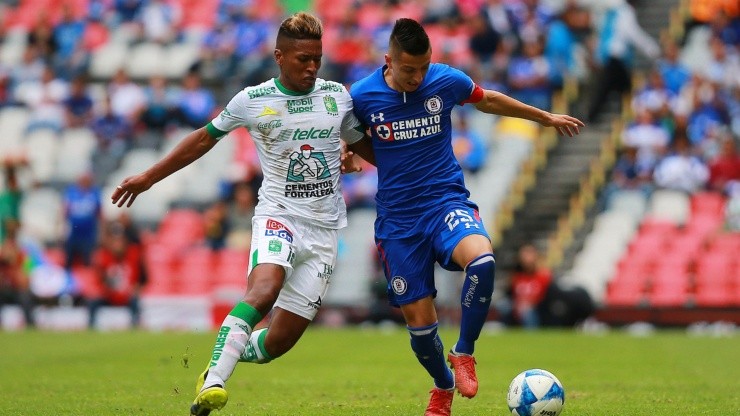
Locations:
(485, 262)
(263, 296)
(483, 267)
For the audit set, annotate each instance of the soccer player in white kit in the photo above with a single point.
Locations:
(296, 121)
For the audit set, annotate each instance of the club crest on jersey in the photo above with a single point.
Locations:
(331, 105)
(399, 285)
(433, 104)
(277, 229)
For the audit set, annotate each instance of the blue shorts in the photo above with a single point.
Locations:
(409, 247)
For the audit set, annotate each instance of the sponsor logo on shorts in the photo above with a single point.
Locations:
(276, 229)
(275, 246)
(399, 285)
(316, 305)
(326, 273)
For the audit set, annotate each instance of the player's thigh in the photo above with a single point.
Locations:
(458, 225)
(408, 264)
(271, 260)
(306, 287)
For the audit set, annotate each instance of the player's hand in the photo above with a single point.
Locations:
(129, 189)
(564, 124)
(350, 164)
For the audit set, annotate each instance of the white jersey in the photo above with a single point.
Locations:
(297, 138)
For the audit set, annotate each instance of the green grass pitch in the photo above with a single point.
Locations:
(364, 372)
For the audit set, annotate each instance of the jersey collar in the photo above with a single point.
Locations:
(287, 91)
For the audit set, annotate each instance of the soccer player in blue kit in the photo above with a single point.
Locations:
(423, 212)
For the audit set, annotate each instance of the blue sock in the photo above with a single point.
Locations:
(427, 346)
(475, 300)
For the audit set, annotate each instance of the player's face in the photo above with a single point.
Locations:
(407, 71)
(299, 61)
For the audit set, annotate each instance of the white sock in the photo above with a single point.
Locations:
(231, 341)
(254, 352)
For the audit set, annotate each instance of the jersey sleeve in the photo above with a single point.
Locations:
(356, 110)
(463, 87)
(230, 118)
(351, 130)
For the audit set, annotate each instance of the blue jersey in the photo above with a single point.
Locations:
(411, 136)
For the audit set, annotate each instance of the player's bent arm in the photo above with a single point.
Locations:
(494, 102)
(364, 149)
(190, 149)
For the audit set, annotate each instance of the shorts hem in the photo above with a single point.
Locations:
(414, 299)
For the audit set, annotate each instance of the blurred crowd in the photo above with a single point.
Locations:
(684, 124)
(682, 135)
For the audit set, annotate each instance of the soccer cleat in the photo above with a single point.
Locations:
(212, 398)
(201, 380)
(440, 403)
(465, 379)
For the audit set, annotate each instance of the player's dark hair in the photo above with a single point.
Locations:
(410, 37)
(300, 25)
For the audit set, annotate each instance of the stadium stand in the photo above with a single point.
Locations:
(531, 186)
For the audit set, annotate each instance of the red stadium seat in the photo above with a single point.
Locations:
(714, 269)
(195, 274)
(703, 225)
(715, 296)
(669, 287)
(669, 296)
(231, 268)
(707, 202)
(199, 14)
(88, 280)
(625, 296)
(181, 229)
(657, 227)
(162, 265)
(726, 243)
(55, 256)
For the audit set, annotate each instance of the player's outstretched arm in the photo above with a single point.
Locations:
(193, 146)
(494, 102)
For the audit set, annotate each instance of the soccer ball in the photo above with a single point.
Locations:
(535, 393)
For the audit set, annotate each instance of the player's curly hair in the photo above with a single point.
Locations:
(301, 25)
(410, 37)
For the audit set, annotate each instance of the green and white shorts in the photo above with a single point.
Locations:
(306, 251)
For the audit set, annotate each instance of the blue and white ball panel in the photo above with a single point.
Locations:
(535, 392)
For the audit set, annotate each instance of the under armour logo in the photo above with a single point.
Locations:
(378, 117)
